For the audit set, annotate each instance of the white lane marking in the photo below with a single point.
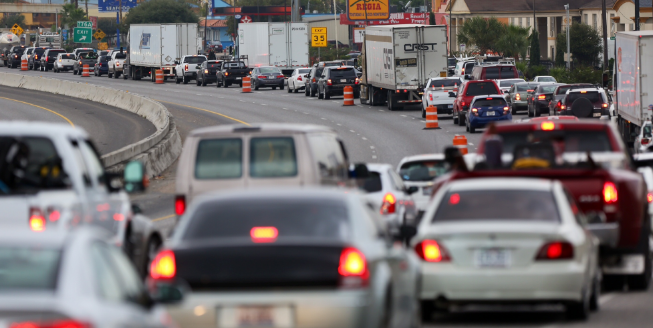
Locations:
(339, 124)
(352, 131)
(380, 110)
(606, 298)
(371, 147)
(306, 113)
(471, 144)
(373, 156)
(403, 115)
(364, 138)
(323, 118)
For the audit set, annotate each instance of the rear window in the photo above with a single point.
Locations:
(219, 159)
(121, 55)
(547, 88)
(104, 59)
(594, 97)
(39, 51)
(54, 53)
(194, 60)
(272, 157)
(481, 205)
(574, 141)
(563, 89)
(306, 218)
(481, 88)
(372, 183)
(508, 72)
(214, 65)
(235, 65)
(492, 73)
(509, 83)
(67, 56)
(451, 62)
(342, 73)
(28, 268)
(442, 83)
(469, 67)
(304, 71)
(546, 79)
(88, 55)
(423, 170)
(489, 102)
(270, 70)
(525, 87)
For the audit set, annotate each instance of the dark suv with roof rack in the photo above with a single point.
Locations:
(585, 103)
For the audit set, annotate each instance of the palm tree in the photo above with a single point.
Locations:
(513, 42)
(70, 16)
(481, 32)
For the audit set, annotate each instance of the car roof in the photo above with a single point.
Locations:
(39, 128)
(502, 183)
(294, 193)
(527, 83)
(379, 167)
(422, 157)
(262, 127)
(583, 89)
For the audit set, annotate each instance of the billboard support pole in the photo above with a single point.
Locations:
(118, 30)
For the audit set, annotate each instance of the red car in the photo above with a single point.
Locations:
(610, 195)
(467, 91)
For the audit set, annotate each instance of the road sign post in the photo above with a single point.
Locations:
(16, 29)
(82, 35)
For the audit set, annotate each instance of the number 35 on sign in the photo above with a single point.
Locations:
(318, 37)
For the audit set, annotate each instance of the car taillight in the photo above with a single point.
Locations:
(558, 250)
(432, 251)
(541, 97)
(357, 81)
(475, 111)
(645, 141)
(604, 105)
(506, 109)
(164, 265)
(389, 204)
(180, 204)
(517, 97)
(80, 62)
(353, 268)
(649, 197)
(313, 80)
(186, 67)
(60, 60)
(36, 219)
(299, 78)
(206, 71)
(117, 63)
(610, 193)
(264, 234)
(562, 107)
(63, 323)
(36, 56)
(226, 73)
(329, 82)
(261, 76)
(279, 76)
(54, 214)
(463, 104)
(430, 97)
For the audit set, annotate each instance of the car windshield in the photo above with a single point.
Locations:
(269, 70)
(443, 83)
(547, 89)
(426, 170)
(481, 88)
(490, 102)
(194, 60)
(509, 83)
(592, 96)
(339, 73)
(28, 268)
(546, 79)
(574, 140)
(525, 87)
(18, 50)
(481, 205)
(238, 218)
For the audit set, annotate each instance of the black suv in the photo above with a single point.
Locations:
(34, 60)
(334, 80)
(207, 72)
(314, 76)
(48, 58)
(584, 103)
(14, 55)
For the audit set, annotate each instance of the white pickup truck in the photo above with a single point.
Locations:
(116, 64)
(52, 178)
(186, 70)
(437, 94)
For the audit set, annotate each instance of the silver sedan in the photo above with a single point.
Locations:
(291, 258)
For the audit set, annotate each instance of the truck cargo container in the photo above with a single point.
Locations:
(282, 45)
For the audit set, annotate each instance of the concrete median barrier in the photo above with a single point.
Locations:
(157, 151)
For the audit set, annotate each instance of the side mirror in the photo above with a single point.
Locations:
(411, 190)
(166, 293)
(452, 94)
(134, 177)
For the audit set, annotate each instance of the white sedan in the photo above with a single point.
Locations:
(437, 94)
(419, 171)
(502, 240)
(297, 79)
(545, 79)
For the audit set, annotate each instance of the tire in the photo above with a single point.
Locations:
(152, 248)
(427, 308)
(327, 94)
(224, 84)
(307, 91)
(536, 112)
(274, 88)
(513, 109)
(461, 120)
(203, 82)
(319, 94)
(289, 90)
(116, 75)
(642, 281)
(423, 111)
(582, 107)
(530, 114)
(392, 106)
(197, 82)
(596, 291)
(470, 128)
(280, 87)
(110, 75)
(579, 310)
(313, 93)
(124, 76)
(177, 80)
(455, 118)
(185, 80)
(255, 85)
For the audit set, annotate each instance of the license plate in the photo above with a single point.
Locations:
(450, 106)
(343, 80)
(490, 113)
(492, 258)
(238, 78)
(597, 114)
(256, 316)
(427, 191)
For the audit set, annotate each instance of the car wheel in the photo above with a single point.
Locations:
(289, 90)
(274, 88)
(327, 94)
(109, 74)
(530, 114)
(642, 281)
(536, 112)
(307, 91)
(281, 87)
(153, 246)
(197, 82)
(455, 118)
(313, 92)
(513, 109)
(596, 291)
(185, 80)
(295, 90)
(116, 75)
(319, 94)
(423, 111)
(177, 80)
(579, 310)
(225, 84)
(470, 128)
(255, 85)
(427, 308)
(461, 120)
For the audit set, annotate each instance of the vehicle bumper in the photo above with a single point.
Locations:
(520, 103)
(443, 108)
(269, 82)
(209, 78)
(299, 85)
(117, 69)
(190, 74)
(310, 309)
(477, 121)
(543, 107)
(538, 282)
(103, 70)
(339, 90)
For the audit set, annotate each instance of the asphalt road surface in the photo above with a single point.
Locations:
(371, 134)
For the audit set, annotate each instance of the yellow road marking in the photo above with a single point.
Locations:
(206, 110)
(164, 217)
(37, 106)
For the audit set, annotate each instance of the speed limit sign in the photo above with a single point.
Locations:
(318, 37)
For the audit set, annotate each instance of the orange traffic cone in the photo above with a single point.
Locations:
(23, 64)
(158, 76)
(460, 141)
(348, 94)
(432, 118)
(85, 72)
(247, 85)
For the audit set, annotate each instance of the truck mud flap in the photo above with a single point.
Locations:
(607, 233)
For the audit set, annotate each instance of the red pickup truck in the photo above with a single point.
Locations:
(603, 185)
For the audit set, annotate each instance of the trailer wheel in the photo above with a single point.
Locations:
(392, 106)
(643, 280)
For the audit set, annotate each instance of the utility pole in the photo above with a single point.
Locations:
(568, 45)
(335, 23)
(450, 30)
(205, 21)
(604, 22)
(636, 15)
(534, 19)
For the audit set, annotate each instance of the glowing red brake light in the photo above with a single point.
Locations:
(430, 97)
(264, 234)
(432, 251)
(517, 97)
(649, 197)
(610, 193)
(299, 78)
(604, 105)
(279, 76)
(388, 206)
(352, 263)
(186, 67)
(357, 81)
(36, 219)
(547, 126)
(164, 265)
(558, 250)
(64, 323)
(541, 97)
(180, 204)
(329, 82)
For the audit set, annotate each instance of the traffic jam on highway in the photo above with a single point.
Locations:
(276, 226)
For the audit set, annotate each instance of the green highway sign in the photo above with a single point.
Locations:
(85, 24)
(82, 35)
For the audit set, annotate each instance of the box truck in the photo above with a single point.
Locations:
(283, 45)
(159, 46)
(398, 60)
(632, 81)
